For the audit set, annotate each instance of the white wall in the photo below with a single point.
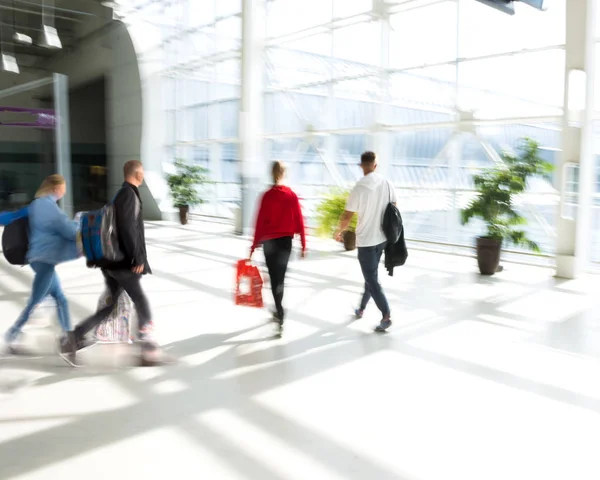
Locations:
(110, 53)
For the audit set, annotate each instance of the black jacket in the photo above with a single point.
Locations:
(130, 229)
(395, 253)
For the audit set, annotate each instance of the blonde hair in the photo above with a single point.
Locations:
(277, 171)
(48, 186)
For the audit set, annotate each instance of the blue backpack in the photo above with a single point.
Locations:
(99, 236)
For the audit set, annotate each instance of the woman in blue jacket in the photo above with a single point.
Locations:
(52, 240)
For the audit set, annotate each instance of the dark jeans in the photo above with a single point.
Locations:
(118, 281)
(369, 258)
(277, 256)
(45, 283)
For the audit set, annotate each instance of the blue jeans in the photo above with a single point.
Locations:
(45, 283)
(369, 258)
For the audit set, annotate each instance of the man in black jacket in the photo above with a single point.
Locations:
(126, 275)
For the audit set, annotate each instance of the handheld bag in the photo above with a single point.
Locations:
(99, 237)
(15, 241)
(249, 283)
(117, 327)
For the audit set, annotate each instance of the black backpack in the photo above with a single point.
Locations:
(15, 241)
(392, 222)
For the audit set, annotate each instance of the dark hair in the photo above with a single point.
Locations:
(131, 167)
(368, 158)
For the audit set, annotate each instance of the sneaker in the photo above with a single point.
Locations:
(358, 313)
(18, 350)
(67, 348)
(278, 320)
(384, 325)
(85, 343)
(152, 356)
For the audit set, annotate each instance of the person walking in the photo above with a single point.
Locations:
(52, 240)
(279, 218)
(127, 274)
(369, 199)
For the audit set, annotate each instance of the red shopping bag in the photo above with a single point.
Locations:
(248, 285)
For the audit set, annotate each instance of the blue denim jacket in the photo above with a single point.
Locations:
(52, 236)
(9, 217)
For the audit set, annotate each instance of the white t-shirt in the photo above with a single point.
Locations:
(369, 198)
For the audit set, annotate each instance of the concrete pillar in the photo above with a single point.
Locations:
(381, 141)
(62, 138)
(251, 117)
(574, 231)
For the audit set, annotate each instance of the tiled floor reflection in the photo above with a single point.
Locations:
(480, 378)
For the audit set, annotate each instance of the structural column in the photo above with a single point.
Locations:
(577, 158)
(251, 117)
(62, 138)
(381, 138)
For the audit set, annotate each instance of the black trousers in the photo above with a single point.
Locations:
(277, 256)
(118, 281)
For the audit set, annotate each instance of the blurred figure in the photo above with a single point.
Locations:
(279, 219)
(12, 215)
(126, 275)
(370, 198)
(52, 240)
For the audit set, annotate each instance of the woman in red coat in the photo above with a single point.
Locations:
(279, 219)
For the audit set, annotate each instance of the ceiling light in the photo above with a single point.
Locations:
(50, 38)
(9, 63)
(22, 38)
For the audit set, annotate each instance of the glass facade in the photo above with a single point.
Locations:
(437, 88)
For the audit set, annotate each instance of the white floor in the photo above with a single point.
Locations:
(480, 378)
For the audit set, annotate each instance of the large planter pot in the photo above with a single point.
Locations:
(349, 241)
(184, 213)
(488, 255)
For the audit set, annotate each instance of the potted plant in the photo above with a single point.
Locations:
(329, 212)
(184, 187)
(496, 189)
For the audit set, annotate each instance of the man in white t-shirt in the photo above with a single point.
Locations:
(369, 199)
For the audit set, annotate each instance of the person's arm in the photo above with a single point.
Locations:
(300, 226)
(9, 217)
(259, 225)
(127, 227)
(66, 227)
(346, 218)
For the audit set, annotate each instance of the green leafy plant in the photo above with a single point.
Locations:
(330, 210)
(185, 182)
(497, 188)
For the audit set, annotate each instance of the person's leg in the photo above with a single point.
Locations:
(369, 258)
(62, 306)
(364, 301)
(282, 258)
(97, 318)
(131, 283)
(150, 352)
(44, 274)
(270, 251)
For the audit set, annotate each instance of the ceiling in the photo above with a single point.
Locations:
(73, 20)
